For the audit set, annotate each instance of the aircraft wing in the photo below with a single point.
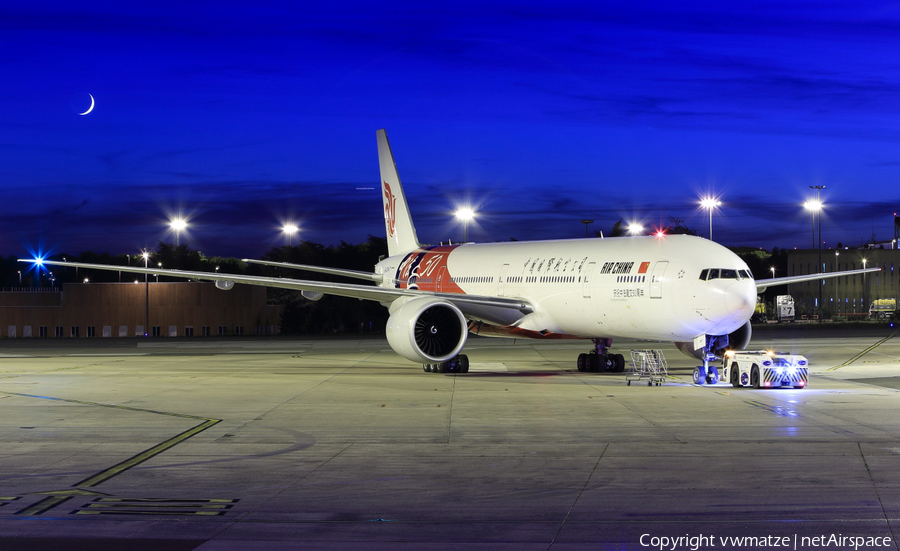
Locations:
(368, 276)
(763, 284)
(352, 290)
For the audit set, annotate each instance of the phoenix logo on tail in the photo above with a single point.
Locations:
(390, 209)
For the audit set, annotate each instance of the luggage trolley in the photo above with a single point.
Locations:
(648, 364)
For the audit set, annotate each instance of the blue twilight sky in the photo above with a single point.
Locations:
(247, 114)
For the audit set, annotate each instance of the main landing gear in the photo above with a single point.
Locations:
(459, 364)
(599, 359)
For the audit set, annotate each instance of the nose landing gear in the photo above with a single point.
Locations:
(705, 374)
(708, 374)
(600, 359)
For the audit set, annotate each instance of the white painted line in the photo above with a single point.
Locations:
(266, 351)
(123, 354)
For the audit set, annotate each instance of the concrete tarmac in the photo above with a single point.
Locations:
(284, 443)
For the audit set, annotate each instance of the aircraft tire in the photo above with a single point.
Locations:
(712, 376)
(699, 376)
(462, 363)
(620, 363)
(426, 368)
(582, 362)
(605, 363)
(594, 362)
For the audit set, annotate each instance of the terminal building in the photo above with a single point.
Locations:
(849, 296)
(86, 310)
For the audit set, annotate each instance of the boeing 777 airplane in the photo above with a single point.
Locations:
(678, 288)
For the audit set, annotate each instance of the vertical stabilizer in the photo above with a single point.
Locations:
(398, 225)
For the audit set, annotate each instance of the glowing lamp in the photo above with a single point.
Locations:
(465, 214)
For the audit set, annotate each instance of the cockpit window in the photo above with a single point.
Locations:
(724, 273)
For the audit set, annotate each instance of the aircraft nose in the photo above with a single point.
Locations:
(740, 298)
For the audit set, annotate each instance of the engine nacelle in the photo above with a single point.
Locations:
(737, 340)
(427, 330)
(224, 285)
(312, 295)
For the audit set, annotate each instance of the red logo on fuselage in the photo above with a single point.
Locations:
(390, 209)
(426, 270)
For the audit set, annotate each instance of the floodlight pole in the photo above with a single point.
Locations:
(586, 223)
(146, 296)
(818, 214)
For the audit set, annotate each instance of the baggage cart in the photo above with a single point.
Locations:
(649, 365)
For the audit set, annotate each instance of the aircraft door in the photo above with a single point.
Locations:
(501, 282)
(656, 279)
(439, 280)
(586, 282)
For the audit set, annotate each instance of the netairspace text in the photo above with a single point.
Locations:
(695, 543)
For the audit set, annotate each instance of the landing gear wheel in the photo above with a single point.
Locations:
(754, 376)
(462, 363)
(699, 375)
(582, 362)
(712, 376)
(607, 362)
(620, 363)
(426, 368)
(594, 362)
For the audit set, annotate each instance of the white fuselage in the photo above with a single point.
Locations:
(635, 287)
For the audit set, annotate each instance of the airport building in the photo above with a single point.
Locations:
(849, 296)
(85, 310)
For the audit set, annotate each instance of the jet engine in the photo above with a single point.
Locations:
(427, 330)
(736, 340)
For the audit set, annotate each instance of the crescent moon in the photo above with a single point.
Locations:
(91, 108)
